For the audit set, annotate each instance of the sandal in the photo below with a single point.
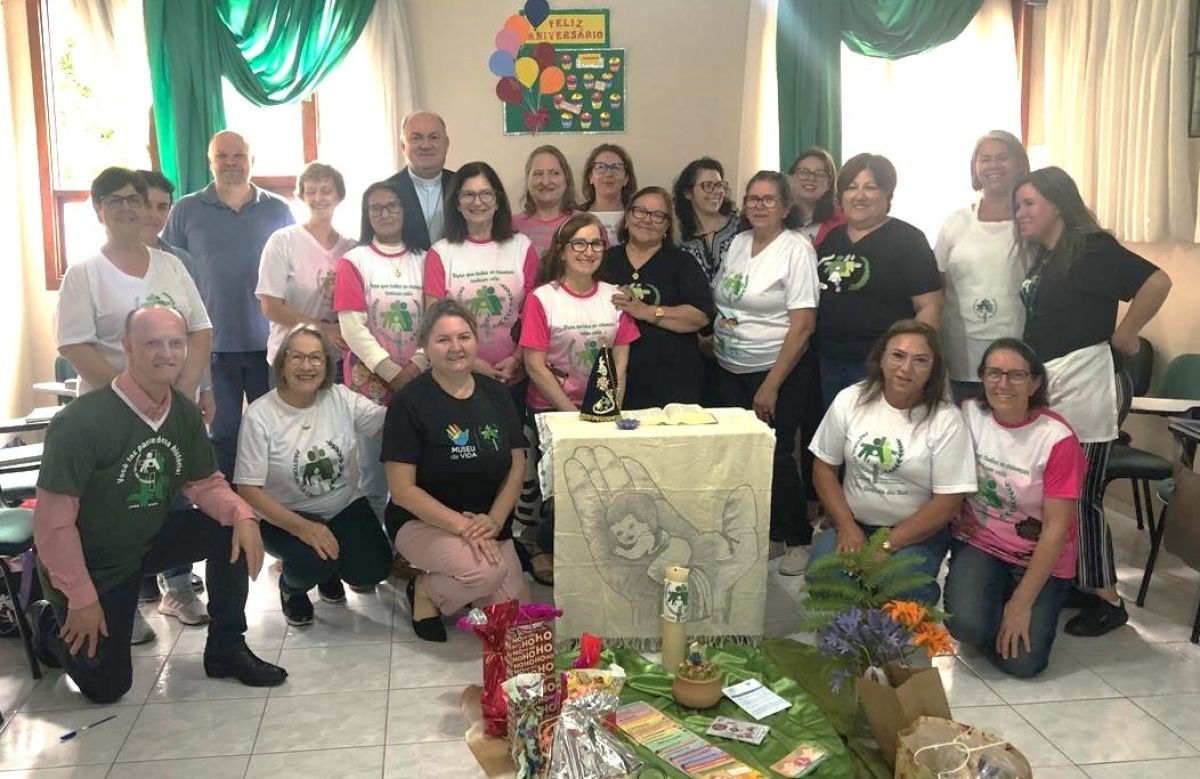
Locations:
(542, 568)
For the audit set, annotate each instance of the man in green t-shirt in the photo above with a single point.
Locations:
(114, 460)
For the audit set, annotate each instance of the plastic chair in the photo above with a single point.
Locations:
(1140, 367)
(1137, 465)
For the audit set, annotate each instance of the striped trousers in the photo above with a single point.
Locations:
(1096, 566)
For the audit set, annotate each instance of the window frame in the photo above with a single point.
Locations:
(1194, 71)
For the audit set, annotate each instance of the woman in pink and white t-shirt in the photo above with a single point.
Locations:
(1016, 541)
(549, 198)
(484, 265)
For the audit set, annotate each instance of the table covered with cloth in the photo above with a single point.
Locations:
(628, 504)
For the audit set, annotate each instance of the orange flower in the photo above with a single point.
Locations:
(906, 612)
(935, 639)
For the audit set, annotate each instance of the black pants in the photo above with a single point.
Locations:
(187, 536)
(364, 555)
(788, 518)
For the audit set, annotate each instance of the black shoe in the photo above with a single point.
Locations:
(332, 591)
(1097, 619)
(428, 629)
(297, 608)
(43, 623)
(243, 665)
(149, 592)
(197, 584)
(1078, 599)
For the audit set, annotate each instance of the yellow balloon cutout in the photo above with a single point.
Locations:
(527, 71)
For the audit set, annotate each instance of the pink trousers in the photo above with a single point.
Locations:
(455, 577)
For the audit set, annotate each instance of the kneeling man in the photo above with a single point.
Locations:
(114, 459)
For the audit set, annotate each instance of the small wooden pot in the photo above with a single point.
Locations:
(696, 695)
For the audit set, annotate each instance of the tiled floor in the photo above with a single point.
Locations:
(366, 699)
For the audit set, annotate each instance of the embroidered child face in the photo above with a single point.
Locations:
(634, 537)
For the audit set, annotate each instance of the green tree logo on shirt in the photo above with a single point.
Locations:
(881, 454)
(485, 302)
(320, 470)
(843, 272)
(157, 299)
(491, 434)
(588, 354)
(149, 474)
(733, 286)
(986, 308)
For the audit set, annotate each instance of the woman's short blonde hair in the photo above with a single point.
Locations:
(281, 355)
(319, 171)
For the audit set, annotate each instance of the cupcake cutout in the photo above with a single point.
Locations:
(571, 81)
(597, 100)
(565, 117)
(585, 121)
(566, 62)
(614, 64)
(605, 119)
(615, 100)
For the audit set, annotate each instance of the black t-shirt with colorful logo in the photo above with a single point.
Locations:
(462, 448)
(125, 474)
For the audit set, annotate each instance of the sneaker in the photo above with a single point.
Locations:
(777, 549)
(297, 608)
(794, 561)
(184, 606)
(197, 584)
(332, 591)
(149, 592)
(1097, 618)
(142, 633)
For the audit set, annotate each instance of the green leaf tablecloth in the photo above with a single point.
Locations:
(796, 672)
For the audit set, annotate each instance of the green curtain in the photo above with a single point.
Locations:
(272, 51)
(808, 57)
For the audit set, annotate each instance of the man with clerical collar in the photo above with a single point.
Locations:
(424, 181)
(114, 460)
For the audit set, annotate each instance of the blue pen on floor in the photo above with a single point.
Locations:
(72, 734)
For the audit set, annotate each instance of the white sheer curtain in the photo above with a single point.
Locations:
(760, 96)
(925, 112)
(1117, 112)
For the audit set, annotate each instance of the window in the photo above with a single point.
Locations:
(1194, 64)
(83, 114)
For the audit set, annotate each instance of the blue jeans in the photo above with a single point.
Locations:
(930, 552)
(839, 372)
(977, 589)
(235, 375)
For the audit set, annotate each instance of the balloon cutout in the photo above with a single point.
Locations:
(543, 53)
(527, 71)
(508, 90)
(501, 63)
(537, 11)
(552, 80)
(520, 25)
(508, 41)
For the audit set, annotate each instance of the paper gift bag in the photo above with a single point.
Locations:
(915, 692)
(936, 748)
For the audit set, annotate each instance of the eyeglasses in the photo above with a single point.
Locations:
(300, 358)
(994, 375)
(380, 209)
(807, 174)
(654, 217)
(760, 201)
(609, 167)
(484, 196)
(581, 246)
(897, 357)
(127, 201)
(713, 186)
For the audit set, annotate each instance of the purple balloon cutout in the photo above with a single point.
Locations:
(536, 11)
(501, 64)
(508, 41)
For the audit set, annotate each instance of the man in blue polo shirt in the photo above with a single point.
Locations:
(224, 227)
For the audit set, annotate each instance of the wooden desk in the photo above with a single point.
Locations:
(1162, 407)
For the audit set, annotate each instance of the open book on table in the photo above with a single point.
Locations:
(672, 414)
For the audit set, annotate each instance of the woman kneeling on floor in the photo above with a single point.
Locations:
(295, 451)
(455, 459)
(1015, 544)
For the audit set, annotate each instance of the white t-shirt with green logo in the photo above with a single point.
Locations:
(302, 457)
(753, 296)
(895, 460)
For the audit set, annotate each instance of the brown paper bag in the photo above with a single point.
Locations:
(927, 731)
(1181, 535)
(914, 692)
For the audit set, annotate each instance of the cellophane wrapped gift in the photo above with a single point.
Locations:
(936, 748)
(516, 639)
(583, 747)
(523, 693)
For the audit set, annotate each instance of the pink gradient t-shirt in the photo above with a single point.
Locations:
(1019, 466)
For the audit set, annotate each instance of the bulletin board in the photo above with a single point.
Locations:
(591, 100)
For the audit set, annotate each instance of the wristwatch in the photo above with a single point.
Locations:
(659, 313)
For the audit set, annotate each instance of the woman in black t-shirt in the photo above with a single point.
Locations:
(874, 270)
(455, 458)
(668, 296)
(1077, 274)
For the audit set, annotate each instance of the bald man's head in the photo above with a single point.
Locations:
(229, 159)
(155, 345)
(425, 143)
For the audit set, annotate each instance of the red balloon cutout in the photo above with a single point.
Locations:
(509, 90)
(543, 54)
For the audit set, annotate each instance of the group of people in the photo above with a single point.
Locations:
(392, 382)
